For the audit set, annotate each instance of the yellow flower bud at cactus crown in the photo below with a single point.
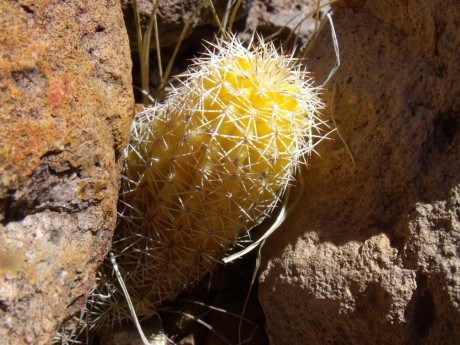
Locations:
(204, 167)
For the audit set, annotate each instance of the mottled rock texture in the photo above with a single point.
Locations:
(174, 15)
(65, 108)
(371, 254)
(264, 16)
(283, 19)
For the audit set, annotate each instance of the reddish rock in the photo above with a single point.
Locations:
(65, 109)
(371, 254)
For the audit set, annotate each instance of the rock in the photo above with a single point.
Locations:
(267, 17)
(293, 19)
(65, 109)
(173, 15)
(371, 253)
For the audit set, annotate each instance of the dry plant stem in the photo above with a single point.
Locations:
(203, 323)
(246, 301)
(239, 316)
(317, 18)
(335, 43)
(232, 18)
(176, 49)
(281, 217)
(226, 14)
(128, 299)
(143, 43)
(304, 17)
(322, 23)
(145, 53)
(157, 46)
(216, 18)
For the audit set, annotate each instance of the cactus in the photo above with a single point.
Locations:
(204, 167)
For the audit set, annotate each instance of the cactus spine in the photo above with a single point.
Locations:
(203, 168)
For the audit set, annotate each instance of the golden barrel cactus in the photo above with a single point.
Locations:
(204, 167)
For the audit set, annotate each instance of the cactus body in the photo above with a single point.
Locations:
(206, 166)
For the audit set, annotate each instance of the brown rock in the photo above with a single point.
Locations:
(285, 18)
(173, 15)
(371, 255)
(264, 16)
(65, 108)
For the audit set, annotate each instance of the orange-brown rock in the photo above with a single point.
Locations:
(65, 108)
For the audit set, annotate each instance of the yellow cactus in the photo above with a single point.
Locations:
(206, 166)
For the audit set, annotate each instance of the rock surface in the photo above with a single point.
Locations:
(271, 17)
(372, 253)
(283, 19)
(173, 15)
(65, 108)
